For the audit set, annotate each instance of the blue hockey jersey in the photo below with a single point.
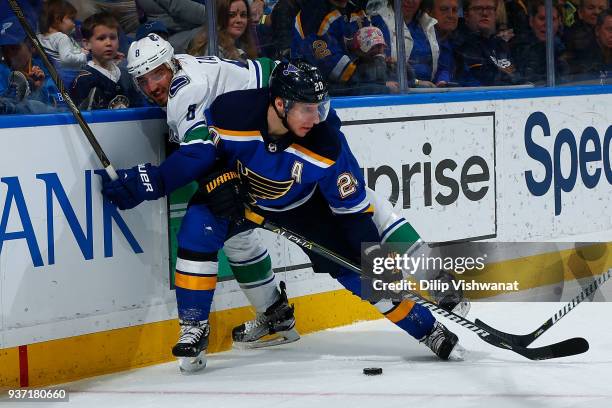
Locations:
(281, 174)
(319, 35)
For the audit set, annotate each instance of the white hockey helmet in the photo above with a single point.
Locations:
(149, 53)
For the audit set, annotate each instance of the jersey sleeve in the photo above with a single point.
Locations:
(190, 162)
(344, 189)
(187, 102)
(343, 184)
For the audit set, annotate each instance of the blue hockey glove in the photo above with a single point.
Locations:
(133, 186)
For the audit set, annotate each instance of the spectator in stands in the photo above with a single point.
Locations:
(182, 18)
(596, 62)
(504, 31)
(261, 28)
(102, 84)
(420, 40)
(368, 43)
(152, 27)
(322, 33)
(19, 64)
(446, 13)
(15, 97)
(530, 53)
(235, 41)
(57, 26)
(515, 18)
(580, 37)
(281, 22)
(482, 58)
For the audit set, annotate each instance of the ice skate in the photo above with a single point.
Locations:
(191, 346)
(444, 343)
(273, 327)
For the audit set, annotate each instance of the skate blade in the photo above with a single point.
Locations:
(192, 365)
(458, 353)
(282, 337)
(462, 308)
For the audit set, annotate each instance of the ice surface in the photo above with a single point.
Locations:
(325, 370)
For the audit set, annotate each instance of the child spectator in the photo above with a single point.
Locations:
(57, 26)
(102, 84)
(374, 70)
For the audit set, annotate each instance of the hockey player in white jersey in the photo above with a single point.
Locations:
(185, 86)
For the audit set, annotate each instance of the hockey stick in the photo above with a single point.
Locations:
(110, 170)
(526, 339)
(564, 348)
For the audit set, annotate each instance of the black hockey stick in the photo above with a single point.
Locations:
(526, 339)
(110, 170)
(564, 348)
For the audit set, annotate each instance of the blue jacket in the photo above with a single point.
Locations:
(483, 61)
(319, 36)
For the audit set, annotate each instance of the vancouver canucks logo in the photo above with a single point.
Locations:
(291, 69)
(263, 188)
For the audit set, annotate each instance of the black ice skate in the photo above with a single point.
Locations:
(277, 322)
(451, 300)
(191, 346)
(444, 343)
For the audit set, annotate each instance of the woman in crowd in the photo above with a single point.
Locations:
(234, 38)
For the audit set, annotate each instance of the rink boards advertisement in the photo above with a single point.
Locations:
(75, 272)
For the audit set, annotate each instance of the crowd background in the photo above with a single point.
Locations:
(357, 44)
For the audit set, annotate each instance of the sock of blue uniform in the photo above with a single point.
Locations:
(195, 281)
(411, 317)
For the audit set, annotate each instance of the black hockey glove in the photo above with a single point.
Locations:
(375, 266)
(223, 193)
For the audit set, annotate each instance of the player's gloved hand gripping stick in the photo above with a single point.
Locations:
(564, 348)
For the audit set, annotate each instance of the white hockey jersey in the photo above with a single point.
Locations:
(199, 81)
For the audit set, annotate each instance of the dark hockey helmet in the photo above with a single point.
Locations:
(298, 81)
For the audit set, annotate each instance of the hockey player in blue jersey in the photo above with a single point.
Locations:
(288, 149)
(185, 86)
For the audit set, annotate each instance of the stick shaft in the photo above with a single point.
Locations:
(60, 86)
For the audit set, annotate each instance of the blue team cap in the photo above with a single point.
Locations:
(11, 31)
(149, 27)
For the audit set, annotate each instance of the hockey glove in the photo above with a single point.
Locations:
(375, 267)
(133, 186)
(223, 193)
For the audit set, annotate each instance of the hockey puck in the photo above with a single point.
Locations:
(372, 371)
